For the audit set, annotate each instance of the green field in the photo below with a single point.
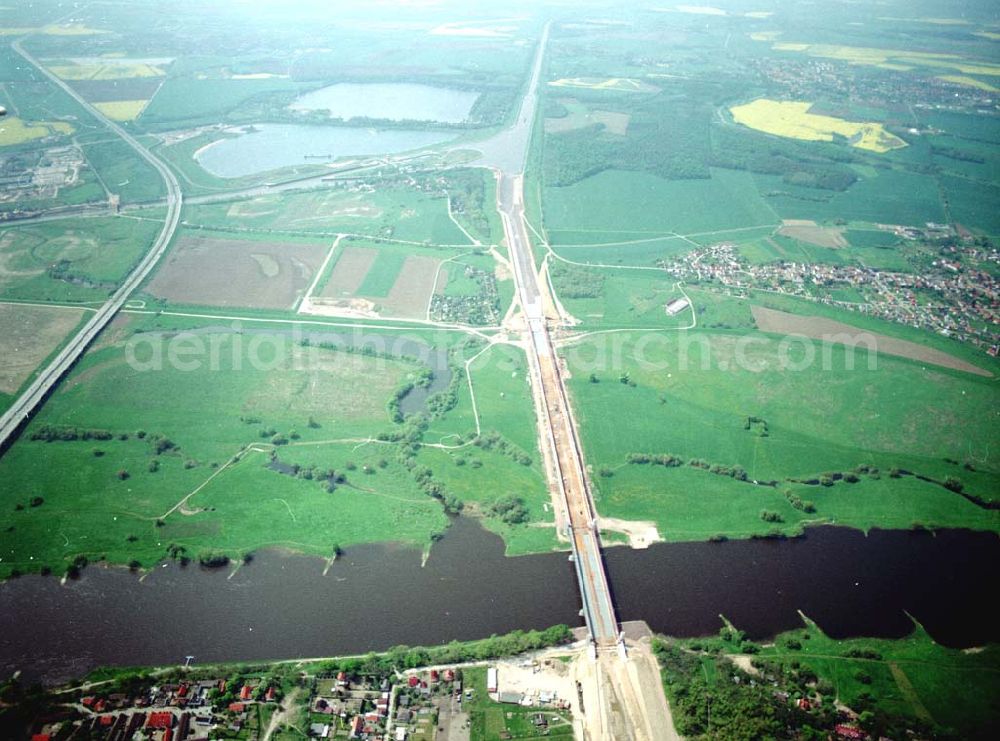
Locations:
(305, 414)
(893, 197)
(192, 101)
(617, 298)
(123, 172)
(817, 422)
(383, 274)
(105, 491)
(777, 248)
(71, 259)
(619, 205)
(389, 213)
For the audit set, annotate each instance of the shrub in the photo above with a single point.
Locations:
(213, 560)
(510, 509)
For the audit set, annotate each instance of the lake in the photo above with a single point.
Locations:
(390, 101)
(272, 146)
(377, 596)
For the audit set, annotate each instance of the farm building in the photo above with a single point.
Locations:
(677, 305)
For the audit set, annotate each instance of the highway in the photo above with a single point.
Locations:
(554, 410)
(19, 412)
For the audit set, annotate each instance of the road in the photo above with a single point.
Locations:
(625, 698)
(564, 447)
(13, 419)
(565, 457)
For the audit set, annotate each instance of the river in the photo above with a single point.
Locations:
(376, 596)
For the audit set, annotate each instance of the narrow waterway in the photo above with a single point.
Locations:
(281, 606)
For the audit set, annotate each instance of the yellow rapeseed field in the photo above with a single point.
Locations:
(970, 82)
(67, 29)
(898, 58)
(112, 71)
(121, 110)
(14, 130)
(792, 119)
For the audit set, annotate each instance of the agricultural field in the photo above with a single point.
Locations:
(820, 328)
(217, 270)
(14, 130)
(792, 119)
(369, 278)
(731, 412)
(109, 68)
(122, 172)
(401, 213)
(127, 472)
(380, 281)
(617, 298)
(276, 415)
(620, 206)
(121, 110)
(811, 232)
(28, 335)
(72, 259)
(891, 59)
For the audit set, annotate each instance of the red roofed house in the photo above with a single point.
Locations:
(269, 696)
(87, 701)
(246, 692)
(357, 723)
(413, 681)
(236, 707)
(107, 720)
(434, 675)
(845, 731)
(449, 675)
(182, 690)
(41, 737)
(160, 720)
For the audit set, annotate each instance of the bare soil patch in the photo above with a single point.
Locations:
(821, 328)
(27, 335)
(349, 271)
(442, 281)
(812, 233)
(407, 298)
(229, 272)
(413, 288)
